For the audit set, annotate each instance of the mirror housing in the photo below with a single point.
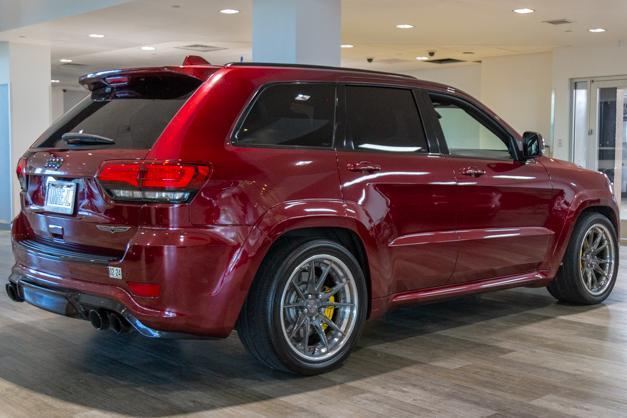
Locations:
(533, 144)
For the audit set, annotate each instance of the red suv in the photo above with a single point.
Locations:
(292, 203)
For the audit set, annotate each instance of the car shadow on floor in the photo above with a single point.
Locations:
(69, 361)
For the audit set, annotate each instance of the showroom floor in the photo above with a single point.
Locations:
(513, 353)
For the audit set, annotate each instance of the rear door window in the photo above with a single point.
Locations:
(132, 116)
(383, 119)
(290, 115)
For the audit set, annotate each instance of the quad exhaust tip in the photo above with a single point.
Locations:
(99, 319)
(103, 320)
(13, 293)
(118, 324)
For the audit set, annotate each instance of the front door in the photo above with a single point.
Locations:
(505, 203)
(402, 192)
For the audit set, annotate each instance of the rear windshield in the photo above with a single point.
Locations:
(133, 116)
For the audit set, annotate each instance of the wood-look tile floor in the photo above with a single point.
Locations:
(510, 353)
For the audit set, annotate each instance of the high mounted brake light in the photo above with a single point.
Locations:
(152, 181)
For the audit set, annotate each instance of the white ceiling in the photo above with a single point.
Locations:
(485, 27)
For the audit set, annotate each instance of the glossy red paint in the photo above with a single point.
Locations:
(427, 228)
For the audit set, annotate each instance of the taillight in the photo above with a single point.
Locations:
(21, 173)
(153, 181)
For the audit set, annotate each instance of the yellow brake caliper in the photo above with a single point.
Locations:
(328, 312)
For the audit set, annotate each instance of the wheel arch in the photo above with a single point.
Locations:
(606, 207)
(347, 237)
(327, 219)
(607, 211)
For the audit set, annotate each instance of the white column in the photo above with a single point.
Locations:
(25, 69)
(297, 31)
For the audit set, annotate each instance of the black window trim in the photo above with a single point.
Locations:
(483, 117)
(255, 97)
(343, 134)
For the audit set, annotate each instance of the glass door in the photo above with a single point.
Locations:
(600, 136)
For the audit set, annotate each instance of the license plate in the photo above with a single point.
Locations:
(60, 197)
(115, 273)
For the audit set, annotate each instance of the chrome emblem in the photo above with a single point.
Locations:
(54, 163)
(112, 229)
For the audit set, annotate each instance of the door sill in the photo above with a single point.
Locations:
(445, 292)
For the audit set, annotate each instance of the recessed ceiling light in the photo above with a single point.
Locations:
(55, 81)
(422, 58)
(65, 60)
(597, 30)
(148, 48)
(229, 11)
(96, 35)
(404, 26)
(523, 11)
(347, 46)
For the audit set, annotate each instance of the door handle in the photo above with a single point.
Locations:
(473, 172)
(363, 166)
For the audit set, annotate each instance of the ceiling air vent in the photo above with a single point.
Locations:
(558, 22)
(445, 61)
(391, 61)
(73, 64)
(200, 48)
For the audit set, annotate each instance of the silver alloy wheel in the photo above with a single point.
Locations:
(319, 307)
(596, 259)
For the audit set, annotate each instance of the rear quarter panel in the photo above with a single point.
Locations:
(273, 190)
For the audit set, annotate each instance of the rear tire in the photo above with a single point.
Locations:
(302, 323)
(590, 266)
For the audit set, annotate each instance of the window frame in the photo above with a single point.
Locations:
(345, 142)
(479, 114)
(233, 140)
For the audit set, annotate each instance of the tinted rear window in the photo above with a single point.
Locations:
(290, 115)
(133, 116)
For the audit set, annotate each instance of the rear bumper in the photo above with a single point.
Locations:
(204, 275)
(74, 304)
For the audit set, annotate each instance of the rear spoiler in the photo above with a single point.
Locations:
(193, 67)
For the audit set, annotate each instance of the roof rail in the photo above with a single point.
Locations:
(316, 67)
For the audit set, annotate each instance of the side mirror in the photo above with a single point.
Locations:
(533, 143)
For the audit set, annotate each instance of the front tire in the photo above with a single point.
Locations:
(306, 308)
(589, 270)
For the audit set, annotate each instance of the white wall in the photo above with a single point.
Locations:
(27, 12)
(26, 69)
(64, 98)
(463, 77)
(56, 102)
(282, 31)
(71, 97)
(580, 62)
(518, 89)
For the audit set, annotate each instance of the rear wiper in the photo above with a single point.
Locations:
(87, 139)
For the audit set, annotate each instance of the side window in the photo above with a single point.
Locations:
(290, 115)
(465, 134)
(383, 119)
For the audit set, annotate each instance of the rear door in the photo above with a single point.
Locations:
(404, 193)
(64, 205)
(505, 204)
